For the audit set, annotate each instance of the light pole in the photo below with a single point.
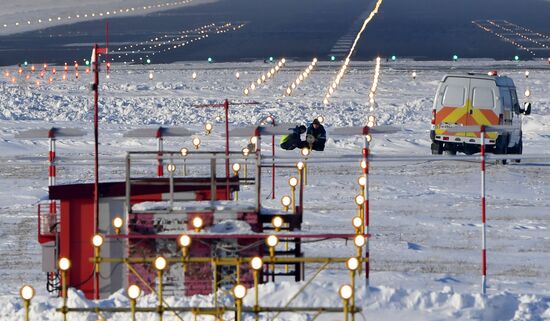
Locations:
(27, 293)
(133, 293)
(64, 265)
(346, 292)
(293, 181)
(256, 263)
(239, 292)
(236, 168)
(352, 264)
(160, 264)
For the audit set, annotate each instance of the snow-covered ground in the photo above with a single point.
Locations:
(27, 15)
(425, 216)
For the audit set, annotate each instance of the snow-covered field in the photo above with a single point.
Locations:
(425, 216)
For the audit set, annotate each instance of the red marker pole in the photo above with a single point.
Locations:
(160, 165)
(273, 162)
(51, 168)
(365, 154)
(226, 108)
(483, 228)
(95, 64)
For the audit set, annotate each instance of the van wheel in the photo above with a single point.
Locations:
(437, 148)
(450, 151)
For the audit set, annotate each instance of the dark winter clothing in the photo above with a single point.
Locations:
(317, 137)
(293, 140)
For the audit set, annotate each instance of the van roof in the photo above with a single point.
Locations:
(503, 81)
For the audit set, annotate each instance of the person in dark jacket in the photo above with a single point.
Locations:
(316, 136)
(294, 140)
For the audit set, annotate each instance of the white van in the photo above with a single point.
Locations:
(474, 100)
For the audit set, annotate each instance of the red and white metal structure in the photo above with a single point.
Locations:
(483, 208)
(159, 133)
(225, 106)
(96, 51)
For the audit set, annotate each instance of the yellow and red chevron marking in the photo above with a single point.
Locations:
(461, 116)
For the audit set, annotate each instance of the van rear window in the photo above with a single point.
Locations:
(483, 98)
(454, 96)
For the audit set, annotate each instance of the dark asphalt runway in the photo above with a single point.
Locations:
(297, 29)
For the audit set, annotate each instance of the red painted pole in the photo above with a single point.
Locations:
(483, 229)
(366, 231)
(273, 162)
(51, 168)
(107, 44)
(96, 159)
(226, 107)
(160, 166)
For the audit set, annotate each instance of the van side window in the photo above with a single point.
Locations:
(483, 98)
(506, 98)
(454, 96)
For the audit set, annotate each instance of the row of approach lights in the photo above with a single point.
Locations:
(520, 35)
(24, 73)
(528, 30)
(301, 77)
(156, 42)
(175, 43)
(491, 31)
(264, 77)
(375, 81)
(78, 16)
(332, 88)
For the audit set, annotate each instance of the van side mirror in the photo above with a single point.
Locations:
(526, 108)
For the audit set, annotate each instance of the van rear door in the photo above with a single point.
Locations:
(483, 107)
(453, 104)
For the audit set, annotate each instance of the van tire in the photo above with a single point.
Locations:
(437, 148)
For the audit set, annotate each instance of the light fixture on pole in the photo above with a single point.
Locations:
(277, 223)
(359, 240)
(245, 151)
(236, 168)
(64, 264)
(239, 292)
(184, 152)
(97, 241)
(133, 293)
(346, 292)
(197, 223)
(118, 222)
(357, 223)
(305, 153)
(27, 293)
(160, 263)
(286, 201)
(184, 241)
(208, 128)
(293, 181)
(256, 264)
(196, 142)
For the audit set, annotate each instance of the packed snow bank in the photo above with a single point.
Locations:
(380, 303)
